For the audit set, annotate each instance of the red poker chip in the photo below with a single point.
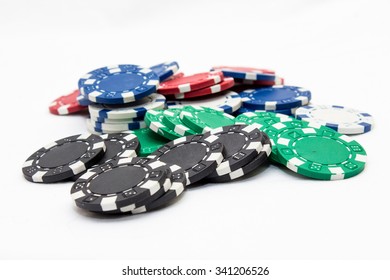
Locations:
(66, 104)
(224, 85)
(279, 81)
(190, 83)
(244, 69)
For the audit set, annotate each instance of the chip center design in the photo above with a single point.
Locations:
(126, 177)
(63, 154)
(121, 82)
(322, 150)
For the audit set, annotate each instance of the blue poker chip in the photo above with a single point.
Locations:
(132, 110)
(113, 128)
(245, 73)
(275, 98)
(113, 121)
(165, 70)
(83, 101)
(289, 112)
(118, 84)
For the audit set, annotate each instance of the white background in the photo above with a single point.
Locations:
(337, 49)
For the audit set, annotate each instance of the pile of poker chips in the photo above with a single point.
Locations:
(111, 178)
(158, 121)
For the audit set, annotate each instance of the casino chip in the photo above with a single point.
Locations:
(133, 110)
(154, 120)
(198, 155)
(118, 84)
(289, 112)
(112, 128)
(190, 83)
(247, 73)
(242, 143)
(227, 101)
(149, 141)
(275, 98)
(118, 126)
(177, 187)
(115, 121)
(276, 82)
(172, 120)
(165, 70)
(259, 160)
(82, 100)
(118, 145)
(321, 153)
(275, 127)
(342, 119)
(67, 104)
(64, 158)
(203, 119)
(120, 185)
(224, 85)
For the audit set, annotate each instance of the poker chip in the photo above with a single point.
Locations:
(118, 84)
(224, 85)
(275, 98)
(276, 82)
(203, 119)
(120, 185)
(227, 101)
(118, 126)
(172, 191)
(290, 112)
(118, 145)
(274, 128)
(64, 158)
(154, 120)
(67, 104)
(321, 154)
(198, 155)
(263, 119)
(165, 70)
(259, 160)
(172, 120)
(114, 121)
(82, 100)
(149, 140)
(242, 143)
(133, 110)
(342, 119)
(247, 73)
(190, 83)
(113, 128)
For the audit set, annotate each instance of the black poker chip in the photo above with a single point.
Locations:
(120, 185)
(174, 188)
(198, 155)
(259, 160)
(242, 143)
(118, 145)
(64, 158)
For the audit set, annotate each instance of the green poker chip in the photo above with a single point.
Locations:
(204, 119)
(320, 153)
(262, 118)
(172, 120)
(153, 119)
(149, 141)
(275, 129)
